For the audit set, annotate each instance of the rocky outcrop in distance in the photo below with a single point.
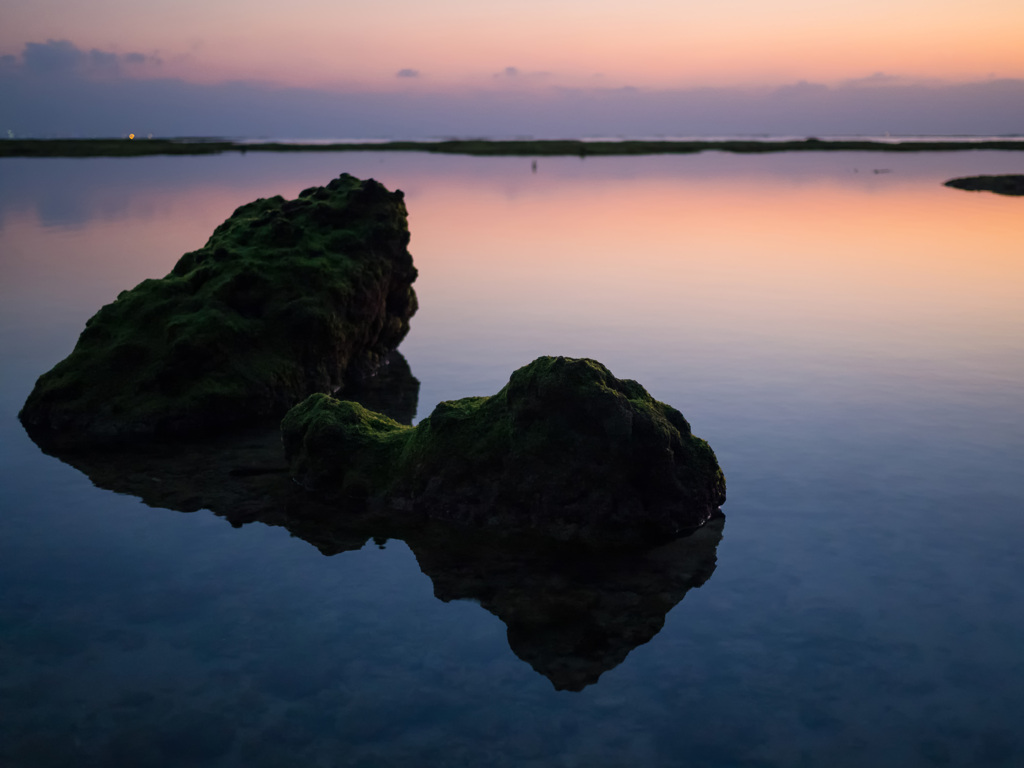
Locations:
(287, 298)
(1007, 184)
(565, 449)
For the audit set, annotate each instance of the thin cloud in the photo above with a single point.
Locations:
(103, 61)
(407, 73)
(52, 57)
(802, 91)
(515, 73)
(71, 101)
(877, 79)
(63, 58)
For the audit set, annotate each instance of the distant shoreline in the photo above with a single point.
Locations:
(484, 147)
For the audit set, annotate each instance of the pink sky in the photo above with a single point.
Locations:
(597, 43)
(544, 68)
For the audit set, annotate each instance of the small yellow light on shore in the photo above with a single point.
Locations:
(131, 135)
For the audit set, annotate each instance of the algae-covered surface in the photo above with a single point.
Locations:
(122, 147)
(488, 147)
(565, 448)
(288, 297)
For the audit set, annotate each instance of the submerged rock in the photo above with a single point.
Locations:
(1007, 184)
(564, 449)
(285, 299)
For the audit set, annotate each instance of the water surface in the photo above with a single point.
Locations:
(846, 333)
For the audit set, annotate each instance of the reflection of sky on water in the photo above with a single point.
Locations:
(849, 342)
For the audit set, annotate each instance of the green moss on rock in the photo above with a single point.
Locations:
(284, 299)
(564, 448)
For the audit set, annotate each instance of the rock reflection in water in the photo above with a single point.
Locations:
(241, 475)
(572, 613)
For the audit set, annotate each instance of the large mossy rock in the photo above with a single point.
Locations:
(565, 449)
(285, 299)
(572, 611)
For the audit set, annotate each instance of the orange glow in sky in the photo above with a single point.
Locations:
(845, 262)
(604, 43)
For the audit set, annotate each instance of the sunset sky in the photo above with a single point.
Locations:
(513, 67)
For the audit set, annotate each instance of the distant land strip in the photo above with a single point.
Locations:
(482, 147)
(1008, 184)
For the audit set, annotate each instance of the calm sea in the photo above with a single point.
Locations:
(848, 335)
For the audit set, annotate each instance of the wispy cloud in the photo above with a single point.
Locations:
(517, 74)
(877, 79)
(57, 88)
(63, 58)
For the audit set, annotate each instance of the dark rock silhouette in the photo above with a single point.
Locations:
(1007, 184)
(572, 611)
(287, 298)
(389, 388)
(241, 474)
(564, 449)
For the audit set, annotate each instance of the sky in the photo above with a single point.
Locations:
(413, 69)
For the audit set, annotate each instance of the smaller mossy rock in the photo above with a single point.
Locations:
(565, 448)
(284, 299)
(1005, 184)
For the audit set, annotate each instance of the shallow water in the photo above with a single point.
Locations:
(847, 333)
